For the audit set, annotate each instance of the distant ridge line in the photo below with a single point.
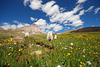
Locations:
(87, 29)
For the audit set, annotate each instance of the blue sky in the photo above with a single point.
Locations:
(50, 15)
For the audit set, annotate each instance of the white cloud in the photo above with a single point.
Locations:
(18, 25)
(25, 2)
(26, 24)
(57, 14)
(69, 16)
(89, 9)
(6, 26)
(41, 23)
(74, 18)
(61, 17)
(5, 23)
(13, 26)
(68, 27)
(50, 8)
(96, 10)
(35, 4)
(57, 27)
(77, 23)
(45, 27)
(15, 21)
(81, 1)
(82, 12)
(33, 19)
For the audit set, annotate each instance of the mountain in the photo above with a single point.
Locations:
(87, 29)
(1, 29)
(32, 29)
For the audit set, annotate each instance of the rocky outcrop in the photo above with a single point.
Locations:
(32, 29)
(1, 29)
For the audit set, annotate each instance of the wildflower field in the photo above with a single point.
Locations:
(68, 50)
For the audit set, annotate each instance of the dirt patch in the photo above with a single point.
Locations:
(18, 38)
(45, 45)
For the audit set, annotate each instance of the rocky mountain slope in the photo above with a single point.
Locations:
(1, 29)
(31, 29)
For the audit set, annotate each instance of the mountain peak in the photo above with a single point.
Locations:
(1, 28)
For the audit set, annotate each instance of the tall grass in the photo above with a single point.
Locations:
(86, 47)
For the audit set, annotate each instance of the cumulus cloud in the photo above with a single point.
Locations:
(81, 1)
(5, 23)
(57, 27)
(50, 8)
(96, 10)
(6, 26)
(69, 16)
(18, 25)
(77, 23)
(45, 27)
(68, 27)
(26, 24)
(15, 21)
(89, 9)
(41, 23)
(25, 2)
(82, 12)
(57, 14)
(35, 4)
(13, 26)
(33, 19)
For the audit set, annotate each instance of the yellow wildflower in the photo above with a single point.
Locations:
(68, 54)
(14, 41)
(80, 65)
(0, 43)
(45, 48)
(38, 52)
(24, 46)
(83, 55)
(20, 49)
(8, 64)
(11, 39)
(9, 53)
(71, 48)
(81, 62)
(89, 52)
(96, 52)
(30, 53)
(12, 48)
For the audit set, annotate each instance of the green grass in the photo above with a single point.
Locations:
(21, 55)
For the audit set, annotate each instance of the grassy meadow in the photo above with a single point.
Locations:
(70, 50)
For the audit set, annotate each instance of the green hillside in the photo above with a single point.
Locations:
(68, 50)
